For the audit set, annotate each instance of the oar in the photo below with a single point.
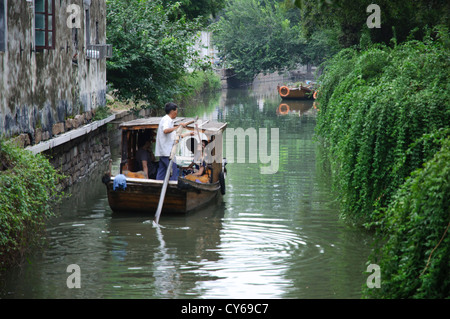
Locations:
(169, 168)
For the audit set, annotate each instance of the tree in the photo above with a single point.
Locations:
(150, 51)
(202, 9)
(256, 36)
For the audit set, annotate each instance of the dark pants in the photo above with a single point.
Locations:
(162, 169)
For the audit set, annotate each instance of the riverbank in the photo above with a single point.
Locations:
(384, 118)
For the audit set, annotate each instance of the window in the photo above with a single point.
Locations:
(97, 39)
(2, 25)
(88, 28)
(45, 24)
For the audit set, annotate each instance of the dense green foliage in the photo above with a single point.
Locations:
(200, 82)
(28, 189)
(256, 36)
(150, 50)
(265, 36)
(348, 18)
(101, 113)
(375, 105)
(415, 257)
(384, 121)
(202, 9)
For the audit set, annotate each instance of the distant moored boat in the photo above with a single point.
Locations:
(295, 93)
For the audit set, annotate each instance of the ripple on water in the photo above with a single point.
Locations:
(254, 257)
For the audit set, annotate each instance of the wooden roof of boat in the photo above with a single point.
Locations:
(153, 123)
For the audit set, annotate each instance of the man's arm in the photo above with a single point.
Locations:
(145, 168)
(170, 130)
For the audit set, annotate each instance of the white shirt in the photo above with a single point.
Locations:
(164, 142)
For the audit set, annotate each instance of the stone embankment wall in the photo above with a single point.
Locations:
(77, 158)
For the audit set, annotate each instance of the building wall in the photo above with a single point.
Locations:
(40, 88)
(205, 49)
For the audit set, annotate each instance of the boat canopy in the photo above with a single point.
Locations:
(212, 127)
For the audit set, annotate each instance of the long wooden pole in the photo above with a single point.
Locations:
(163, 192)
(169, 168)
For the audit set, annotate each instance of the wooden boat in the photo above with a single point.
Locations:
(295, 93)
(142, 195)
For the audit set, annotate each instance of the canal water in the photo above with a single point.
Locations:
(272, 235)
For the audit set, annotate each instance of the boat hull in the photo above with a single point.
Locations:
(142, 196)
(302, 93)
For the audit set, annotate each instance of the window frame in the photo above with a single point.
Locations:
(87, 19)
(49, 41)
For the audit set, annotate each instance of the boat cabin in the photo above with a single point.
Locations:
(135, 133)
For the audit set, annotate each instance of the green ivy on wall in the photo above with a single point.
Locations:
(384, 122)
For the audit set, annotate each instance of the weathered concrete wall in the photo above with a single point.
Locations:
(39, 89)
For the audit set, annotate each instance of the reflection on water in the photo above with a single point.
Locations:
(270, 236)
(297, 107)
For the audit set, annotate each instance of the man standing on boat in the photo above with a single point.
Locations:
(165, 138)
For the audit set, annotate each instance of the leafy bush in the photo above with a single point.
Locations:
(375, 106)
(28, 188)
(415, 258)
(201, 82)
(101, 113)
